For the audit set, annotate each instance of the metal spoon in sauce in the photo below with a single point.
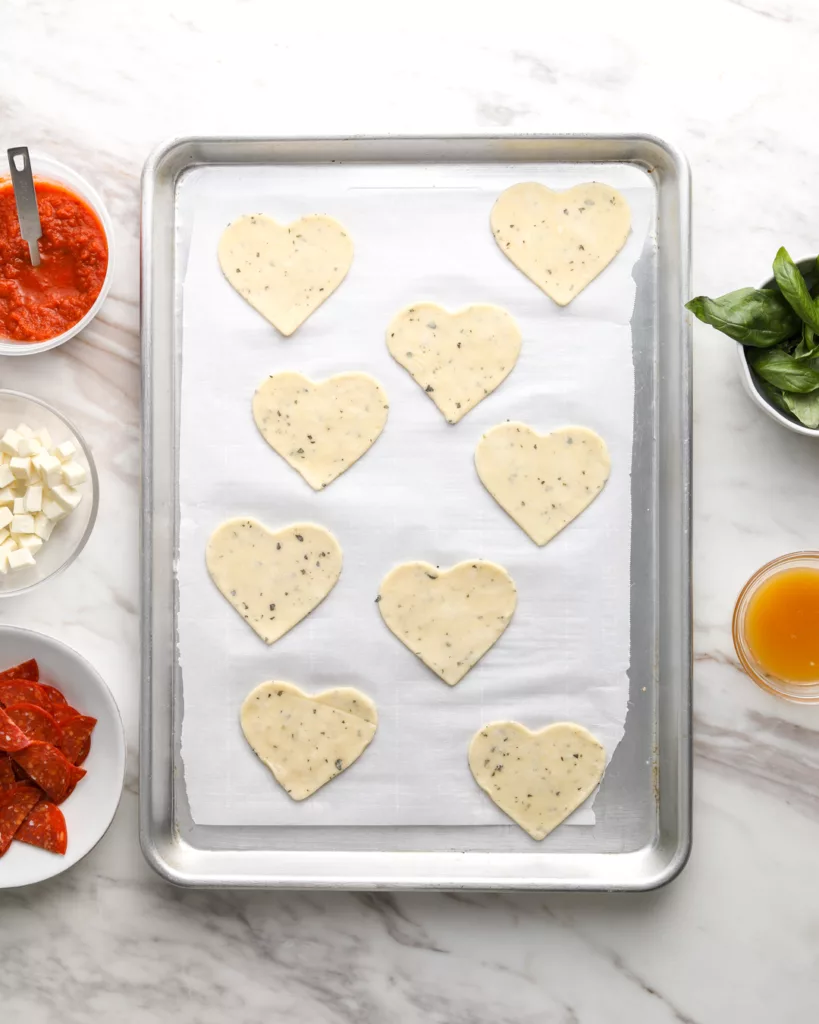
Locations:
(26, 199)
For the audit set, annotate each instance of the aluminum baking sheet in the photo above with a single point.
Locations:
(379, 850)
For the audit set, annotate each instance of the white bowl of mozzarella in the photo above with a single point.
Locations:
(48, 492)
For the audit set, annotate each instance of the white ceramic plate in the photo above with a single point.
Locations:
(91, 807)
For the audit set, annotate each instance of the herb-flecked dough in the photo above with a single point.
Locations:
(306, 741)
(543, 481)
(273, 578)
(449, 618)
(537, 778)
(285, 271)
(321, 428)
(456, 358)
(561, 240)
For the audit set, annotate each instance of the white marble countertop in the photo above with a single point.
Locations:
(733, 82)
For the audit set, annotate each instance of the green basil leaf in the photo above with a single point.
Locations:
(783, 371)
(794, 287)
(808, 346)
(804, 407)
(759, 317)
(774, 395)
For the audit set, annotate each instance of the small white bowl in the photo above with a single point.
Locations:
(48, 169)
(750, 385)
(70, 534)
(91, 807)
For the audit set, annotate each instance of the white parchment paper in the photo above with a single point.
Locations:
(420, 233)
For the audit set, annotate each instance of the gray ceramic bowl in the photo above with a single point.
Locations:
(750, 385)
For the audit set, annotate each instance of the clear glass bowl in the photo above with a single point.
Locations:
(70, 534)
(800, 693)
(48, 169)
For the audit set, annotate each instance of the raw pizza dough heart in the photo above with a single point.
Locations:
(561, 240)
(273, 578)
(285, 271)
(457, 358)
(320, 429)
(537, 778)
(448, 618)
(543, 481)
(306, 741)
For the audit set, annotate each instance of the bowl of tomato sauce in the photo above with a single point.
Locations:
(43, 307)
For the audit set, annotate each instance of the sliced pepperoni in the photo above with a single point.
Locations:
(48, 767)
(25, 670)
(77, 738)
(14, 806)
(53, 694)
(44, 826)
(36, 723)
(7, 777)
(63, 713)
(12, 737)
(21, 691)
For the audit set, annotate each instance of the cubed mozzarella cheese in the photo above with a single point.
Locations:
(52, 509)
(19, 506)
(6, 475)
(30, 446)
(5, 549)
(51, 470)
(66, 496)
(43, 526)
(5, 517)
(21, 467)
(65, 451)
(7, 496)
(43, 437)
(20, 558)
(30, 542)
(4, 535)
(34, 498)
(22, 524)
(24, 430)
(73, 473)
(10, 442)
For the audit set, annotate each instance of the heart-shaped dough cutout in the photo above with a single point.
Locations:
(306, 741)
(321, 429)
(561, 240)
(543, 481)
(285, 271)
(273, 578)
(457, 358)
(537, 778)
(448, 618)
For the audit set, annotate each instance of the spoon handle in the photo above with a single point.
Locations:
(26, 199)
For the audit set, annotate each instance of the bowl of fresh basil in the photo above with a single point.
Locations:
(776, 328)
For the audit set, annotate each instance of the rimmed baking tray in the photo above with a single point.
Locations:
(642, 834)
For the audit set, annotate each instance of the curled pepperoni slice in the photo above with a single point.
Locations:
(12, 737)
(21, 691)
(36, 723)
(14, 806)
(7, 776)
(46, 766)
(76, 741)
(29, 670)
(53, 694)
(63, 713)
(44, 826)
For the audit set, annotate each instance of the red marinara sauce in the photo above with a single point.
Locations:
(39, 303)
